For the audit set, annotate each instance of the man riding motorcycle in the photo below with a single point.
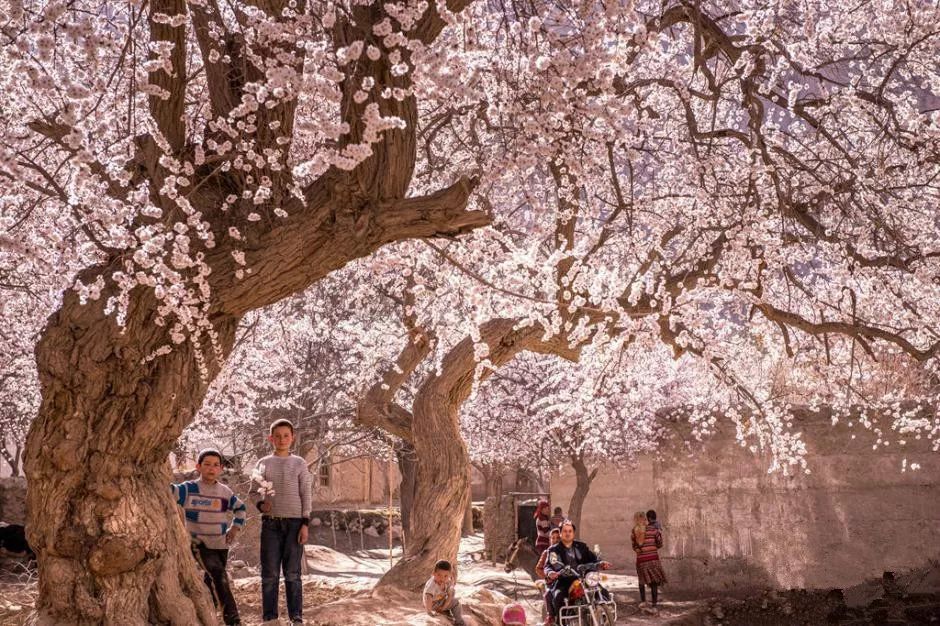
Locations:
(571, 553)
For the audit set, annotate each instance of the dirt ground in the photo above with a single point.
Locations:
(16, 600)
(338, 592)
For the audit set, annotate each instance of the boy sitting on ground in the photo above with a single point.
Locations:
(439, 596)
(209, 507)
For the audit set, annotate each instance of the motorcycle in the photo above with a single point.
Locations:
(588, 602)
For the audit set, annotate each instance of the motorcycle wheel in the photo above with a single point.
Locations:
(605, 615)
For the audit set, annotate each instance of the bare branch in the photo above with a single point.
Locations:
(856, 330)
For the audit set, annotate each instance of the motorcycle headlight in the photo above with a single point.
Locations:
(593, 579)
(576, 591)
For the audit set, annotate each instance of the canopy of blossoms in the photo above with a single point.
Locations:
(744, 182)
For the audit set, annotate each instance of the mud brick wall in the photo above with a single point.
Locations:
(729, 525)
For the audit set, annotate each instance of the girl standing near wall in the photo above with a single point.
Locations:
(647, 539)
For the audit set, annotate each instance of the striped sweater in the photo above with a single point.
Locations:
(210, 509)
(291, 482)
(649, 549)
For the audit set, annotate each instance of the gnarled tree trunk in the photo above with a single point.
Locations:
(111, 547)
(442, 480)
(100, 515)
(442, 488)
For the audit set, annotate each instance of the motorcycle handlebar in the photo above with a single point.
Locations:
(582, 570)
(588, 567)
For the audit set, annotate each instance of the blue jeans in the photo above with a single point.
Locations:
(280, 551)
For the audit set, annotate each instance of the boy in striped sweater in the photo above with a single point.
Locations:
(214, 517)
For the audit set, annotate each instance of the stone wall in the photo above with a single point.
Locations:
(728, 524)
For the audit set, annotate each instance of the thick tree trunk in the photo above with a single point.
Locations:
(583, 480)
(98, 500)
(442, 489)
(109, 417)
(442, 480)
(98, 496)
(111, 547)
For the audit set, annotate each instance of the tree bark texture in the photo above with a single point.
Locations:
(110, 545)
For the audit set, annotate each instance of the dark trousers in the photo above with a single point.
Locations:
(558, 594)
(655, 588)
(213, 563)
(280, 552)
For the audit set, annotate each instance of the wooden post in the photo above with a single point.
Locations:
(362, 541)
(388, 476)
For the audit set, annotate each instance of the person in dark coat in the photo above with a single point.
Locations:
(566, 552)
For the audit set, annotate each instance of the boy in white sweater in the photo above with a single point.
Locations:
(281, 491)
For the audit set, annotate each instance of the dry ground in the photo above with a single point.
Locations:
(338, 592)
